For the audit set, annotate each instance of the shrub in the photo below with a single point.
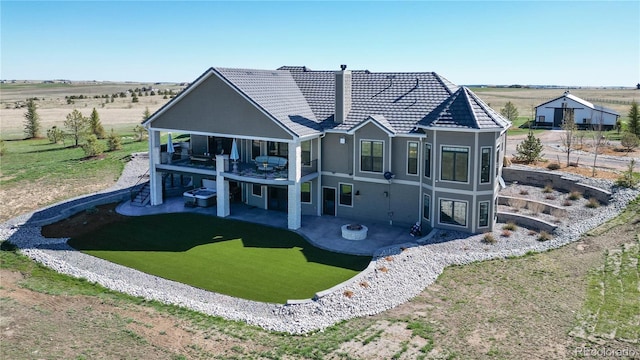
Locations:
(389, 258)
(516, 203)
(574, 195)
(92, 147)
(55, 135)
(567, 202)
(553, 166)
(544, 236)
(524, 192)
(348, 293)
(550, 197)
(535, 207)
(141, 132)
(628, 178)
(364, 284)
(113, 141)
(509, 226)
(593, 203)
(547, 189)
(3, 148)
(532, 233)
(505, 233)
(630, 141)
(488, 238)
(383, 269)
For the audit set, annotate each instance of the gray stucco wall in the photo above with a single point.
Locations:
(215, 107)
(337, 157)
(371, 132)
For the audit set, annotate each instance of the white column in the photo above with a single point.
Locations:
(155, 179)
(295, 173)
(222, 186)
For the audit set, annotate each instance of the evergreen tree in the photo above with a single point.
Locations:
(32, 121)
(509, 111)
(113, 141)
(78, 126)
(92, 147)
(146, 114)
(530, 149)
(96, 125)
(634, 119)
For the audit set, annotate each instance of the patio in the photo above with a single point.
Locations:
(322, 231)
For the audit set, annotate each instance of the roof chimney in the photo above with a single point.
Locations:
(343, 94)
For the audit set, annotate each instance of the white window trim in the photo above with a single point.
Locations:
(466, 214)
(339, 197)
(417, 158)
(430, 146)
(469, 174)
(488, 214)
(424, 196)
(490, 163)
(310, 153)
(310, 193)
(261, 190)
(360, 157)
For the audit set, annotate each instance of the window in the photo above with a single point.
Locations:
(541, 118)
(346, 194)
(453, 212)
(483, 214)
(256, 190)
(426, 207)
(306, 153)
(278, 149)
(485, 165)
(427, 160)
(412, 158)
(305, 192)
(371, 153)
(497, 161)
(255, 148)
(455, 163)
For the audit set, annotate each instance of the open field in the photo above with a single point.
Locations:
(121, 115)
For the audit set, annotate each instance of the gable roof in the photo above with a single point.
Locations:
(464, 109)
(583, 102)
(277, 93)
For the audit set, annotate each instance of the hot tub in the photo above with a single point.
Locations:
(203, 197)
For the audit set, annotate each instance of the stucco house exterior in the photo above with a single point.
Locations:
(585, 114)
(394, 147)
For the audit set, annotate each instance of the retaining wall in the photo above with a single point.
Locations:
(526, 221)
(559, 181)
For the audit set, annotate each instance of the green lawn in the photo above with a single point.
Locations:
(240, 259)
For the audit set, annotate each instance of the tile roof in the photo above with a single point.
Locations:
(464, 109)
(303, 100)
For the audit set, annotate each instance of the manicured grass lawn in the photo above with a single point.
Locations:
(230, 257)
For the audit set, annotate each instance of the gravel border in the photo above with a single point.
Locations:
(396, 274)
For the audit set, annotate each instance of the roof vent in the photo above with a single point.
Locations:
(417, 83)
(343, 67)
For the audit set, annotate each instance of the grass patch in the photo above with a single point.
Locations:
(240, 259)
(612, 307)
(630, 212)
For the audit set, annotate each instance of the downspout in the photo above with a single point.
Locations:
(420, 175)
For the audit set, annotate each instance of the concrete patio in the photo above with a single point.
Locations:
(321, 231)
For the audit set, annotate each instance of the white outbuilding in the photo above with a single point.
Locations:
(585, 114)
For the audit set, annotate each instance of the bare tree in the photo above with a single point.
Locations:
(569, 127)
(598, 138)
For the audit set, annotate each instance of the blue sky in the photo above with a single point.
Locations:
(577, 43)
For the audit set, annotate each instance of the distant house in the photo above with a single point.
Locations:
(585, 114)
(391, 147)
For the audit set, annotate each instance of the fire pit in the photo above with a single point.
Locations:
(354, 232)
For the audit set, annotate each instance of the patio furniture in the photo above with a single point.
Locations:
(269, 163)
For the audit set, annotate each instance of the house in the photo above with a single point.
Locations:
(585, 114)
(393, 147)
